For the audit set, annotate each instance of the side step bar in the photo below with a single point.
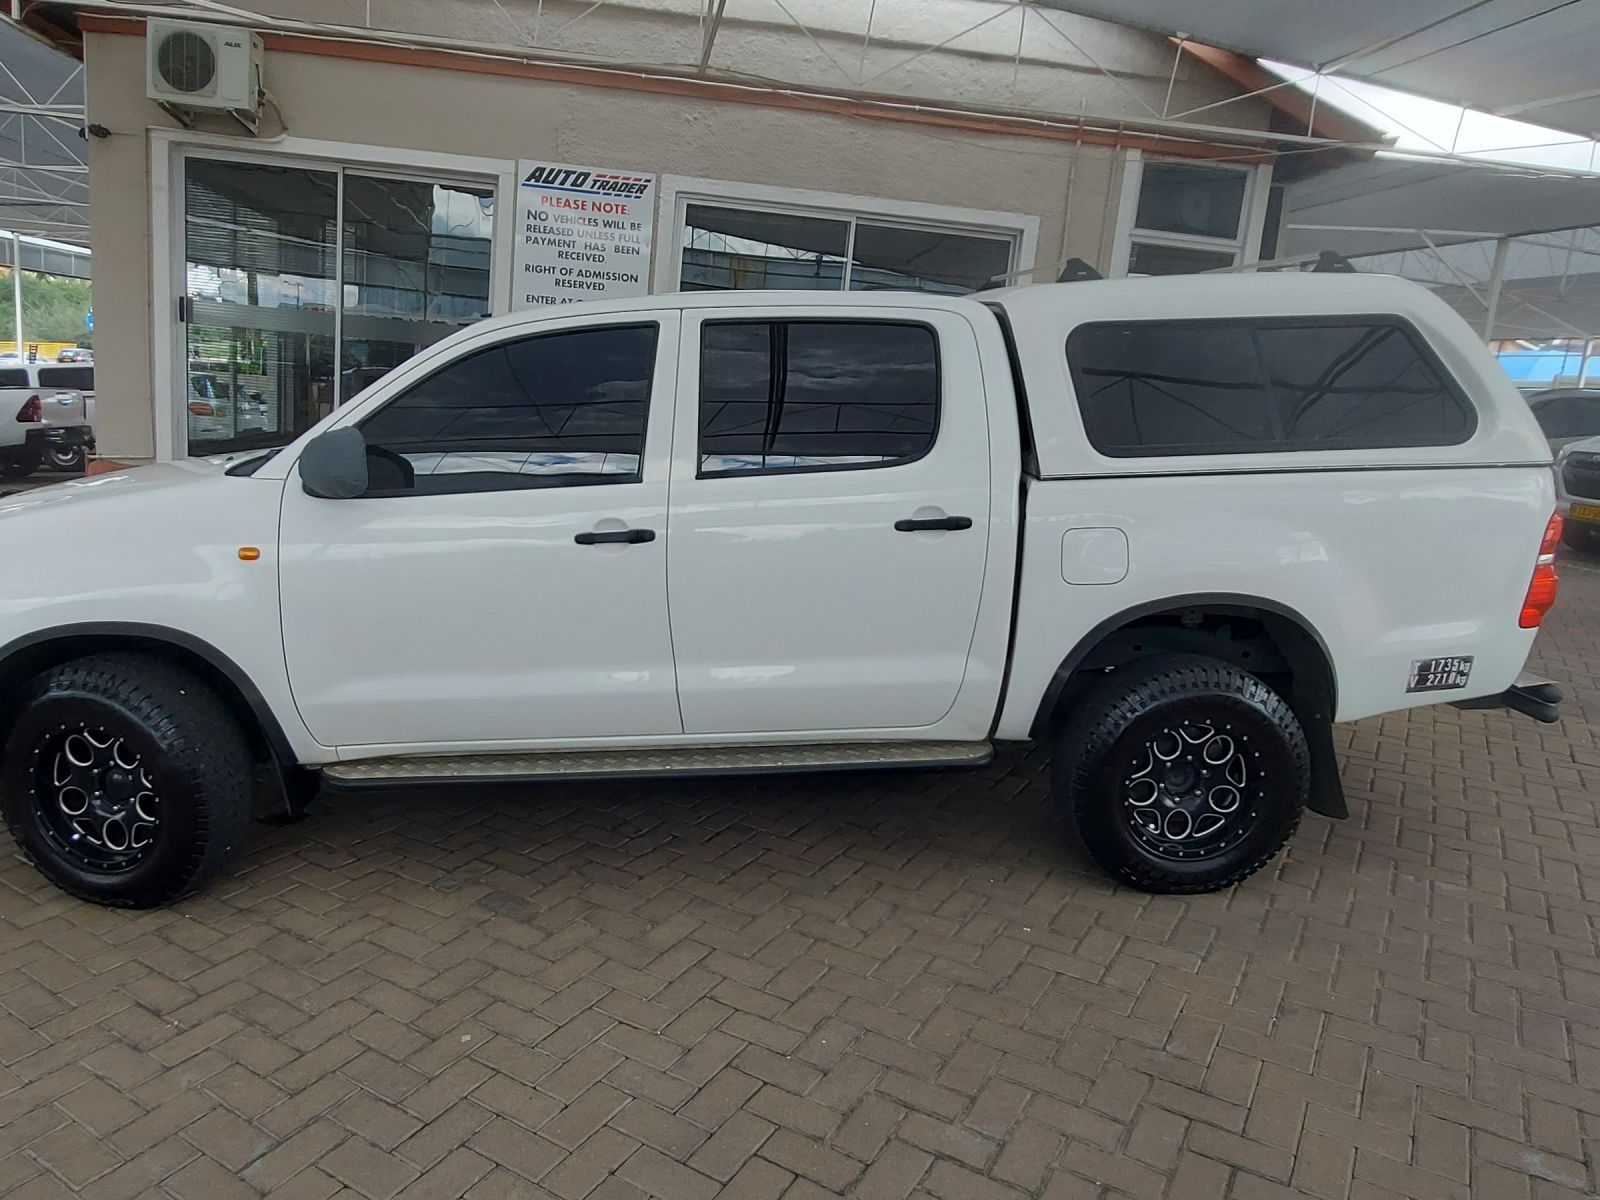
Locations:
(629, 764)
(1530, 696)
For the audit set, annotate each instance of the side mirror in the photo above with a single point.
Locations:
(333, 466)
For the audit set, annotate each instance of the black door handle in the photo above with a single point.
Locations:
(626, 537)
(910, 525)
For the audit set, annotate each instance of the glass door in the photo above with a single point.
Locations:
(416, 269)
(305, 284)
(260, 294)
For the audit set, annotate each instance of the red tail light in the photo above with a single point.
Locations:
(1541, 597)
(201, 409)
(32, 411)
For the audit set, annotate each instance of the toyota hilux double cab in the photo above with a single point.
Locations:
(43, 419)
(1175, 528)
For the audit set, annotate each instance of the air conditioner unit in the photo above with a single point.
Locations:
(193, 67)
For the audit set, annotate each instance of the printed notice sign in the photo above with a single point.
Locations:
(583, 233)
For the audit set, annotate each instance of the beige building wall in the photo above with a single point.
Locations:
(1072, 189)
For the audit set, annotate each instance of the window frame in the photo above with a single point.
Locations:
(1245, 247)
(818, 468)
(678, 192)
(500, 344)
(1418, 341)
(169, 150)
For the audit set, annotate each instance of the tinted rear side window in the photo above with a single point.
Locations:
(1151, 388)
(815, 395)
(14, 378)
(77, 379)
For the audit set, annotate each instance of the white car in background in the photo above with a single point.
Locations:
(45, 417)
(1578, 490)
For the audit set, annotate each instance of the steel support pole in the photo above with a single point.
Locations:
(16, 291)
(1497, 277)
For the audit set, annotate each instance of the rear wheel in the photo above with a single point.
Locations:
(1579, 537)
(1182, 774)
(125, 780)
(66, 459)
(20, 465)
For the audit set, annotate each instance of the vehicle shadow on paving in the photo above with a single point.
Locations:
(800, 825)
(1409, 777)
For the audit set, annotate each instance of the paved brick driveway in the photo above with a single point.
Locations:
(880, 985)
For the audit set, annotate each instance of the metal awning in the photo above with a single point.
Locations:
(44, 183)
(1390, 204)
(1534, 60)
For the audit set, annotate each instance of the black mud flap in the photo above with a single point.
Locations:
(298, 788)
(1327, 789)
(1536, 698)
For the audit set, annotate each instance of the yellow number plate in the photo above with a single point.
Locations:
(1586, 512)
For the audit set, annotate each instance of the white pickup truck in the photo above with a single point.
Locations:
(1174, 527)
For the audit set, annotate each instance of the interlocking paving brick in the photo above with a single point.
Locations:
(890, 985)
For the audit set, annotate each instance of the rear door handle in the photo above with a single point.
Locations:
(626, 537)
(911, 525)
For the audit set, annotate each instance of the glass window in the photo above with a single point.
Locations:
(14, 378)
(1241, 387)
(556, 410)
(1188, 217)
(1568, 416)
(727, 249)
(1189, 198)
(925, 260)
(1146, 258)
(260, 283)
(815, 395)
(281, 326)
(416, 269)
(77, 379)
(1358, 385)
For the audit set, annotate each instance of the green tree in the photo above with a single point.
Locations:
(53, 308)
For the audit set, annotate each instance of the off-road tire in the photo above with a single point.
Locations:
(196, 755)
(20, 465)
(1123, 713)
(67, 461)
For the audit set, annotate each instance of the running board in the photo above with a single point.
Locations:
(687, 761)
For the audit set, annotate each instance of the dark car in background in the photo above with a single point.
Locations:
(1567, 414)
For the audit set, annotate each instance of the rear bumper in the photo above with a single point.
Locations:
(1530, 696)
(60, 437)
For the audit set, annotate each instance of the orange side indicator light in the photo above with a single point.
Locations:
(249, 553)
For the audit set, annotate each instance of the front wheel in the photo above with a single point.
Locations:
(125, 780)
(1182, 774)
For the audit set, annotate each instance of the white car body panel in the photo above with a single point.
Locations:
(784, 608)
(1371, 561)
(107, 550)
(474, 617)
(796, 605)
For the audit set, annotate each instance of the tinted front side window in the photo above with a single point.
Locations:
(815, 395)
(548, 411)
(1241, 387)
